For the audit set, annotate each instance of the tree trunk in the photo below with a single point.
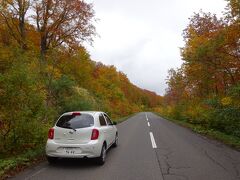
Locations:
(43, 47)
(22, 32)
(22, 9)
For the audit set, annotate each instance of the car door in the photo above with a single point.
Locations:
(111, 129)
(104, 128)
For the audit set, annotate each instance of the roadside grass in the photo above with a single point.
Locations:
(229, 140)
(9, 166)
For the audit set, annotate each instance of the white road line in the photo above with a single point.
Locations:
(148, 124)
(146, 116)
(153, 140)
(36, 173)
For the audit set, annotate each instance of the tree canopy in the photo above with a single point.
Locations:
(205, 89)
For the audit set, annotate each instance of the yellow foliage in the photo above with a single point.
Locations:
(169, 110)
(226, 101)
(54, 71)
(194, 111)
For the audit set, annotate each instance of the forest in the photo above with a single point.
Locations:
(45, 70)
(205, 90)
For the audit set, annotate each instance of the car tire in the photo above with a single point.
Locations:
(115, 144)
(52, 160)
(102, 158)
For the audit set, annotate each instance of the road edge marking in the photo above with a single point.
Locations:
(148, 124)
(154, 145)
(36, 173)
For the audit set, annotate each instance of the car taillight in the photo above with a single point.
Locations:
(95, 134)
(51, 133)
(76, 114)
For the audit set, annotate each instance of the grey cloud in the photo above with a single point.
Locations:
(142, 37)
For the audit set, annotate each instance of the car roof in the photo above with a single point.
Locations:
(84, 112)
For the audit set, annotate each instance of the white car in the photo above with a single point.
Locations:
(81, 134)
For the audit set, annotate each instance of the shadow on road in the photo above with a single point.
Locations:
(74, 163)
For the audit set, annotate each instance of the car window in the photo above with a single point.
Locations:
(75, 121)
(109, 122)
(102, 120)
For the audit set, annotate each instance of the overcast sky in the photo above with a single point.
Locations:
(142, 37)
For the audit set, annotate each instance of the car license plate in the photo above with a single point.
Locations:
(70, 150)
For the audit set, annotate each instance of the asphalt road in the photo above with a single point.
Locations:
(150, 148)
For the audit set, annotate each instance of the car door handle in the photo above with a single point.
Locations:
(104, 131)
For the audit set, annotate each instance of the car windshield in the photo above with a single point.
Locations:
(75, 121)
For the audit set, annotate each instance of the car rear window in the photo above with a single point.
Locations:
(75, 121)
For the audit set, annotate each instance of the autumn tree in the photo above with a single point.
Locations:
(14, 15)
(64, 23)
(211, 53)
(177, 84)
(205, 89)
(233, 10)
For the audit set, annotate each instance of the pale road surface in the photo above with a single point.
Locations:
(150, 148)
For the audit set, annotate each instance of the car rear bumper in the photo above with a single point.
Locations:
(89, 150)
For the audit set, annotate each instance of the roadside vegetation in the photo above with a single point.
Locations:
(204, 93)
(45, 71)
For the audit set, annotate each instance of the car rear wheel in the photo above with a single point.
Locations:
(101, 160)
(51, 160)
(115, 144)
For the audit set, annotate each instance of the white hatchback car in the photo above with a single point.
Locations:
(81, 134)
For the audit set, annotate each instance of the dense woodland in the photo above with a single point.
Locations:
(45, 71)
(205, 90)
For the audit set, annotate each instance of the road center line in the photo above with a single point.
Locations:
(153, 140)
(146, 116)
(148, 124)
